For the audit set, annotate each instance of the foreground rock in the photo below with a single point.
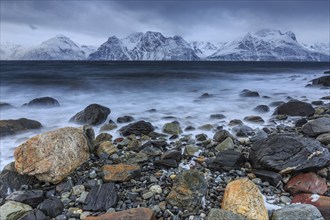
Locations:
(51, 207)
(35, 215)
(188, 190)
(13, 210)
(120, 172)
(322, 203)
(243, 197)
(130, 214)
(286, 153)
(93, 114)
(101, 197)
(316, 127)
(31, 197)
(323, 80)
(226, 160)
(11, 127)
(43, 102)
(137, 128)
(297, 211)
(220, 214)
(295, 108)
(53, 155)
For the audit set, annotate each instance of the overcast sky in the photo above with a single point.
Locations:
(92, 22)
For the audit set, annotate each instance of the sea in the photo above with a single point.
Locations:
(172, 90)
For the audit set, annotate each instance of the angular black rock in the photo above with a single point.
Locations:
(43, 102)
(226, 160)
(323, 80)
(35, 215)
(137, 128)
(295, 108)
(30, 197)
(93, 114)
(269, 176)
(101, 197)
(288, 152)
(173, 154)
(166, 163)
(51, 207)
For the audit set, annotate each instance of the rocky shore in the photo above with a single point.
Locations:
(279, 170)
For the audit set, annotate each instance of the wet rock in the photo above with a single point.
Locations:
(206, 127)
(172, 154)
(107, 148)
(125, 119)
(254, 119)
(217, 116)
(286, 153)
(34, 215)
(190, 128)
(172, 128)
(31, 197)
(166, 163)
(268, 176)
(262, 108)
(13, 210)
(130, 214)
(295, 108)
(43, 102)
(225, 145)
(108, 127)
(120, 172)
(235, 122)
(306, 183)
(226, 160)
(137, 128)
(201, 137)
(300, 122)
(93, 114)
(205, 95)
(220, 214)
(249, 93)
(103, 137)
(297, 211)
(221, 135)
(101, 198)
(316, 127)
(322, 203)
(4, 105)
(243, 197)
(242, 131)
(317, 103)
(191, 150)
(11, 127)
(51, 207)
(53, 155)
(188, 190)
(324, 138)
(259, 135)
(323, 80)
(276, 103)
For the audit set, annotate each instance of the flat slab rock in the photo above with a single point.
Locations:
(130, 214)
(120, 172)
(101, 197)
(287, 153)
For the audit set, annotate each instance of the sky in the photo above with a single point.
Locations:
(92, 22)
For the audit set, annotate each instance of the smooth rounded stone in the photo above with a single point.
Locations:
(268, 176)
(156, 189)
(172, 128)
(225, 145)
(235, 122)
(34, 215)
(51, 207)
(130, 214)
(324, 138)
(206, 127)
(53, 155)
(108, 127)
(103, 137)
(322, 203)
(12, 210)
(166, 163)
(316, 127)
(276, 103)
(288, 152)
(221, 135)
(295, 108)
(172, 154)
(306, 183)
(323, 81)
(43, 102)
(125, 119)
(243, 197)
(11, 127)
(106, 147)
(4, 105)
(325, 97)
(220, 214)
(137, 128)
(201, 137)
(217, 116)
(31, 197)
(101, 197)
(254, 119)
(120, 172)
(93, 114)
(259, 135)
(190, 128)
(226, 160)
(188, 190)
(300, 122)
(262, 109)
(191, 151)
(297, 211)
(249, 93)
(242, 131)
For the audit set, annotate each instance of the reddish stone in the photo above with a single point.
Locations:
(306, 183)
(120, 172)
(320, 202)
(130, 214)
(117, 140)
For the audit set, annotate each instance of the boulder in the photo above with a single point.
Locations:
(172, 128)
(4, 105)
(10, 127)
(316, 127)
(269, 176)
(254, 119)
(137, 128)
(221, 135)
(297, 211)
(220, 214)
(225, 145)
(125, 119)
(51, 207)
(249, 93)
(35, 215)
(188, 190)
(172, 154)
(101, 197)
(106, 147)
(93, 114)
(166, 163)
(287, 152)
(276, 103)
(306, 183)
(295, 108)
(262, 108)
(53, 155)
(323, 81)
(43, 102)
(13, 210)
(226, 160)
(242, 131)
(120, 172)
(324, 138)
(130, 214)
(243, 197)
(31, 197)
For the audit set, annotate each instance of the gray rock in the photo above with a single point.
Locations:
(316, 127)
(101, 197)
(225, 145)
(43, 102)
(297, 211)
(324, 138)
(221, 214)
(217, 116)
(125, 119)
(276, 103)
(295, 108)
(221, 135)
(35, 215)
(93, 114)
(262, 108)
(137, 128)
(51, 207)
(172, 128)
(242, 131)
(323, 80)
(268, 176)
(226, 160)
(254, 119)
(31, 197)
(13, 210)
(11, 127)
(4, 105)
(249, 93)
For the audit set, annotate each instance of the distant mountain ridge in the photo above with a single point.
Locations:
(262, 45)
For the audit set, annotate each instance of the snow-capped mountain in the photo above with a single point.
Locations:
(87, 49)
(267, 45)
(318, 47)
(11, 51)
(204, 49)
(145, 46)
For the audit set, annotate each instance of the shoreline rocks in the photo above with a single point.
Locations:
(93, 114)
(11, 127)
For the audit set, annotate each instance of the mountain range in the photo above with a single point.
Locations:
(262, 45)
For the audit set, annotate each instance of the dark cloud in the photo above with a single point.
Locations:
(94, 21)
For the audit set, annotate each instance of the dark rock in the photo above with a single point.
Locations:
(43, 102)
(125, 119)
(173, 154)
(316, 127)
(11, 127)
(323, 80)
(101, 198)
(93, 114)
(242, 131)
(190, 128)
(269, 176)
(297, 211)
(205, 95)
(35, 215)
(286, 153)
(4, 105)
(51, 207)
(103, 137)
(295, 108)
(221, 135)
(325, 97)
(217, 116)
(317, 103)
(159, 143)
(254, 119)
(324, 138)
(201, 137)
(30, 197)
(235, 122)
(137, 128)
(300, 122)
(262, 108)
(259, 135)
(249, 93)
(172, 128)
(166, 163)
(276, 103)
(226, 160)
(326, 72)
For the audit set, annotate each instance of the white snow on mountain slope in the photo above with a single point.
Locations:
(203, 48)
(11, 51)
(87, 49)
(318, 47)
